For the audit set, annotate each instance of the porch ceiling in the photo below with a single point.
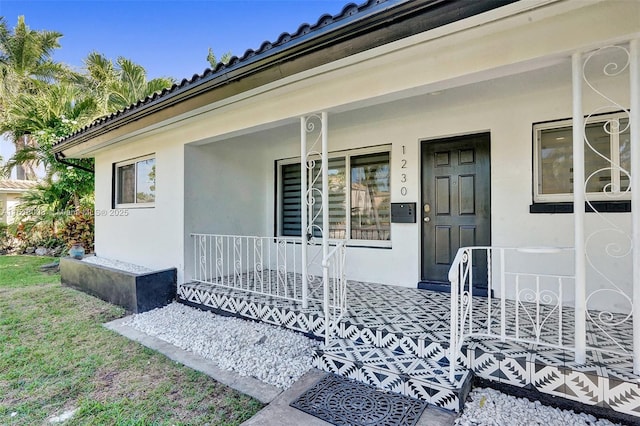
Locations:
(497, 83)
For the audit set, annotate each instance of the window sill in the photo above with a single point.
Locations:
(135, 206)
(566, 207)
(376, 244)
(369, 244)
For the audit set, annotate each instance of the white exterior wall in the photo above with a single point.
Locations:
(507, 109)
(151, 237)
(222, 181)
(8, 203)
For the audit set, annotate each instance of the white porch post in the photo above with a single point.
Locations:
(578, 210)
(634, 126)
(304, 210)
(325, 220)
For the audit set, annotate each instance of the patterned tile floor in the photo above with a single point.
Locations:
(416, 322)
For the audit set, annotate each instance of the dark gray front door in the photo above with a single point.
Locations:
(455, 205)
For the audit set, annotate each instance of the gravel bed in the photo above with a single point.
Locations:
(279, 357)
(268, 353)
(491, 407)
(117, 264)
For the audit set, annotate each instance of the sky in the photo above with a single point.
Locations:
(170, 38)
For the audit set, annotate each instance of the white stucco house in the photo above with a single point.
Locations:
(10, 192)
(445, 125)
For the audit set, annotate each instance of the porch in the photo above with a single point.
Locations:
(397, 339)
(533, 331)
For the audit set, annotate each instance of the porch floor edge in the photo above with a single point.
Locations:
(414, 323)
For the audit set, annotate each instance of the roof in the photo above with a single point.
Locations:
(11, 185)
(373, 21)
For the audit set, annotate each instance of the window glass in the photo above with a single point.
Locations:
(370, 202)
(291, 203)
(555, 158)
(337, 198)
(625, 154)
(146, 181)
(556, 161)
(361, 180)
(136, 182)
(597, 169)
(126, 184)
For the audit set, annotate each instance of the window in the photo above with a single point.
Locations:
(135, 182)
(607, 161)
(359, 203)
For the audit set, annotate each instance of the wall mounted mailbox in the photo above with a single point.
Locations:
(403, 212)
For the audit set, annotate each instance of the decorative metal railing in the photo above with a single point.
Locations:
(522, 303)
(335, 289)
(272, 266)
(261, 265)
(609, 251)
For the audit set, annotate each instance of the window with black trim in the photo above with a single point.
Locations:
(359, 196)
(135, 182)
(607, 159)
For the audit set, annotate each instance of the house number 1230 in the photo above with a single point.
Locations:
(403, 172)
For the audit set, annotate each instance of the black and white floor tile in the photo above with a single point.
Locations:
(413, 327)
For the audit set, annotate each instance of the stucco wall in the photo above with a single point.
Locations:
(222, 181)
(8, 204)
(236, 178)
(152, 237)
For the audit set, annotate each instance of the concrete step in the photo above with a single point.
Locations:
(402, 373)
(402, 337)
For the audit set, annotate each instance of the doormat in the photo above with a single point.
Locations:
(341, 401)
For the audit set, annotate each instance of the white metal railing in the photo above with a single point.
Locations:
(523, 301)
(335, 289)
(272, 266)
(261, 265)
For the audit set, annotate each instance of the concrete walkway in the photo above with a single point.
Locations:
(278, 411)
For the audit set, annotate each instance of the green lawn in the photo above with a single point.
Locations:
(56, 356)
(21, 271)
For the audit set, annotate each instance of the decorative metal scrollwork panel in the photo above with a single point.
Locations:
(312, 167)
(608, 243)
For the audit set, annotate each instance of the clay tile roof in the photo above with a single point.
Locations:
(265, 48)
(350, 14)
(16, 185)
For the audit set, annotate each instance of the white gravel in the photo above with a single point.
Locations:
(491, 407)
(268, 353)
(279, 357)
(117, 264)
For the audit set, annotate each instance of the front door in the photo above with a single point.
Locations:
(455, 206)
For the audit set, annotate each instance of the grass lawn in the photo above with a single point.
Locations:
(22, 271)
(56, 356)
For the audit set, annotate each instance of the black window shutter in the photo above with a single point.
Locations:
(291, 203)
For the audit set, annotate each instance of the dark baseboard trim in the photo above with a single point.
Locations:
(445, 287)
(599, 206)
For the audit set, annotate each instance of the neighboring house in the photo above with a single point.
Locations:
(448, 124)
(10, 193)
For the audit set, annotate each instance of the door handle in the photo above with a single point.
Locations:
(426, 219)
(427, 207)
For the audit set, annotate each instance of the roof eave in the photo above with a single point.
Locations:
(372, 29)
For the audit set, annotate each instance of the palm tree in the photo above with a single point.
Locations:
(117, 85)
(25, 67)
(34, 113)
(213, 61)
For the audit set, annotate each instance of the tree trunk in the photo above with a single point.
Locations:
(26, 170)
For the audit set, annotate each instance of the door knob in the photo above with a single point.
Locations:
(426, 219)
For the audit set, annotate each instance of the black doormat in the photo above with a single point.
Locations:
(341, 401)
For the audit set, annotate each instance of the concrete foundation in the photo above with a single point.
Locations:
(134, 292)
